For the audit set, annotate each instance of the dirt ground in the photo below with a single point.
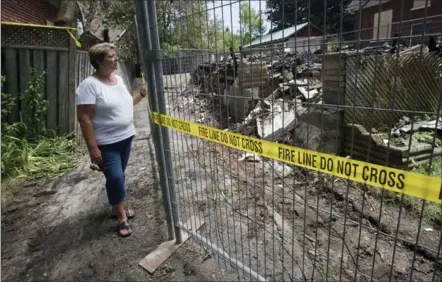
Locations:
(62, 231)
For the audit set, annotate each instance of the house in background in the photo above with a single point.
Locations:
(300, 38)
(382, 19)
(41, 12)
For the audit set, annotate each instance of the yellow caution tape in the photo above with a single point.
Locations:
(39, 26)
(75, 39)
(410, 183)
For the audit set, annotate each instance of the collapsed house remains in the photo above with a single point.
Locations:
(336, 103)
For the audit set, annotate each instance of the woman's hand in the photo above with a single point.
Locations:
(95, 155)
(139, 94)
(143, 90)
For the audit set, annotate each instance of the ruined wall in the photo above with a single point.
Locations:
(333, 78)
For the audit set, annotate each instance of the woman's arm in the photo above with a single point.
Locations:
(84, 113)
(137, 97)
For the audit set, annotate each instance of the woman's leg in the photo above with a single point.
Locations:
(125, 154)
(116, 192)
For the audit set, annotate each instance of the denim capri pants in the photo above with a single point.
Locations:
(114, 161)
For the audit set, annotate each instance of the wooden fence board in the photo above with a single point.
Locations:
(38, 61)
(63, 101)
(72, 115)
(52, 83)
(11, 85)
(24, 67)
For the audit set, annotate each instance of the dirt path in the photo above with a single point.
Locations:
(62, 231)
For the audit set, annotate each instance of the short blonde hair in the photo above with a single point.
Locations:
(98, 52)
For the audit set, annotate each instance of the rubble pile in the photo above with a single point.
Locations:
(275, 95)
(276, 62)
(420, 129)
(265, 94)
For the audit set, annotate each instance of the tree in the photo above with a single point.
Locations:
(251, 23)
(297, 12)
(182, 24)
(231, 40)
(120, 15)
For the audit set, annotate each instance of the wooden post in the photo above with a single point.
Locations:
(71, 87)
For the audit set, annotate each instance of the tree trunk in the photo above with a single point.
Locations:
(95, 16)
(67, 13)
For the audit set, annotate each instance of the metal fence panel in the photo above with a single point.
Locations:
(308, 203)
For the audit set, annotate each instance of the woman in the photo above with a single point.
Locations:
(105, 113)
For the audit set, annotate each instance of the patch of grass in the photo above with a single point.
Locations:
(435, 170)
(29, 150)
(432, 211)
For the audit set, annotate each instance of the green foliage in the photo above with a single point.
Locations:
(434, 170)
(432, 212)
(181, 25)
(7, 102)
(27, 150)
(37, 105)
(301, 11)
(231, 40)
(120, 15)
(251, 22)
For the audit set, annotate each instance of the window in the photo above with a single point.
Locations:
(416, 34)
(419, 4)
(383, 26)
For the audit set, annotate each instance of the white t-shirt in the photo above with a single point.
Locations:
(114, 111)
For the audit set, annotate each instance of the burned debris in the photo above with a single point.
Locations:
(278, 95)
(265, 94)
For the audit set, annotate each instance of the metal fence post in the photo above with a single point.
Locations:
(153, 58)
(144, 47)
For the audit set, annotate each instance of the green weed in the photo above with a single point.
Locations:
(432, 211)
(29, 150)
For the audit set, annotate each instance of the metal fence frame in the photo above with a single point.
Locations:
(153, 67)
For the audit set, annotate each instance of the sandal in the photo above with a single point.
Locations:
(124, 226)
(129, 213)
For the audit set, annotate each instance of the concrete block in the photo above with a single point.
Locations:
(339, 78)
(334, 98)
(338, 84)
(273, 126)
(333, 89)
(333, 72)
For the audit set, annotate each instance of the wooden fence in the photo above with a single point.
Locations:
(48, 51)
(380, 89)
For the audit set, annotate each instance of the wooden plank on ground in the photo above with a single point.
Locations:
(158, 256)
